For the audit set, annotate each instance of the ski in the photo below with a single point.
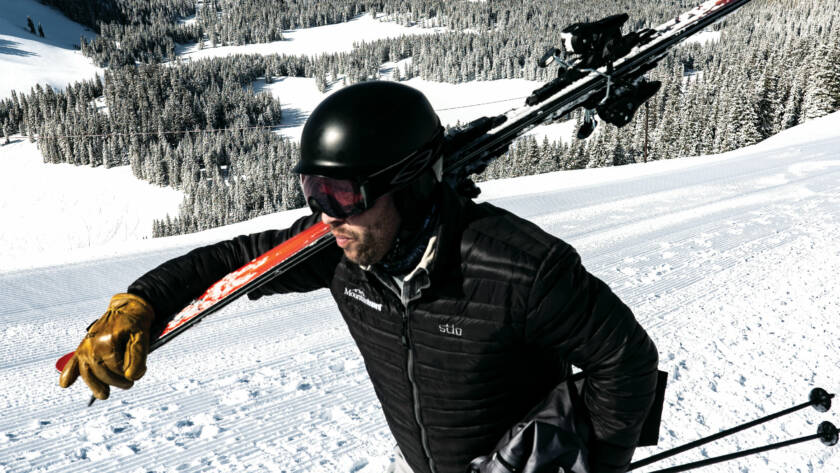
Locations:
(601, 70)
(260, 270)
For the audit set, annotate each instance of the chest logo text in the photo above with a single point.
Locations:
(450, 329)
(359, 295)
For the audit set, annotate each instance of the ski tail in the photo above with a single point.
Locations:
(259, 271)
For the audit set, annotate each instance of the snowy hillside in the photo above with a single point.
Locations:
(89, 205)
(53, 210)
(299, 96)
(454, 103)
(314, 41)
(729, 261)
(49, 60)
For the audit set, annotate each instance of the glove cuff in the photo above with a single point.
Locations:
(122, 299)
(133, 307)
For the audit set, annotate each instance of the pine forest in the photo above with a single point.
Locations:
(776, 64)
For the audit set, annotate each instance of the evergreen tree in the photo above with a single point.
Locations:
(742, 121)
(792, 114)
(578, 155)
(766, 102)
(545, 157)
(760, 64)
(822, 93)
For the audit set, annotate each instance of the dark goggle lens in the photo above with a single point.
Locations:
(338, 198)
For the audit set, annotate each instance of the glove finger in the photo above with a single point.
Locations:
(134, 365)
(114, 363)
(105, 320)
(99, 389)
(107, 376)
(70, 373)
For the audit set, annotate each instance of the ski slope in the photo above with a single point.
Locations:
(52, 60)
(729, 261)
(314, 41)
(50, 211)
(455, 104)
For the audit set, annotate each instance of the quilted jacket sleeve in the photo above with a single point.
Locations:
(175, 283)
(574, 316)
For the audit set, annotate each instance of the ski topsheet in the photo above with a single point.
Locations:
(242, 281)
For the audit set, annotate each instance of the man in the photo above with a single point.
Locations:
(468, 317)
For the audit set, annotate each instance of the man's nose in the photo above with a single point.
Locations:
(331, 221)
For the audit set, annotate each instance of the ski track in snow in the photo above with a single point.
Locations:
(730, 264)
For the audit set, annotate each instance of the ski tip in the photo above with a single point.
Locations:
(62, 362)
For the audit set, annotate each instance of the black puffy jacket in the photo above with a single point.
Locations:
(478, 335)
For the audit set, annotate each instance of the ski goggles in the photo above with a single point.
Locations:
(343, 198)
(338, 198)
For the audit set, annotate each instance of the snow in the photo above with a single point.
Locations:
(704, 37)
(454, 103)
(466, 101)
(190, 20)
(49, 60)
(335, 38)
(298, 97)
(51, 210)
(728, 261)
(101, 105)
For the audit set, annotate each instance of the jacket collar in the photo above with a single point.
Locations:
(445, 264)
(440, 266)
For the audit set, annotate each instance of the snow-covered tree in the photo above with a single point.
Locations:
(822, 93)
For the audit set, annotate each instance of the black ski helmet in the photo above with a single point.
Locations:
(383, 135)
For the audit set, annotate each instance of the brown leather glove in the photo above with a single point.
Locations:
(114, 350)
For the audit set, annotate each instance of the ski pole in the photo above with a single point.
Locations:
(826, 432)
(819, 398)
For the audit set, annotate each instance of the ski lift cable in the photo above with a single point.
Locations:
(480, 104)
(255, 127)
(161, 132)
